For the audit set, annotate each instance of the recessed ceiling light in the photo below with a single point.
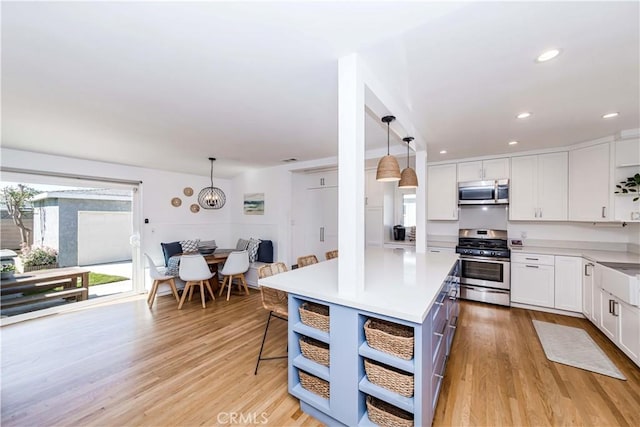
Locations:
(548, 55)
(524, 115)
(443, 151)
(513, 142)
(610, 115)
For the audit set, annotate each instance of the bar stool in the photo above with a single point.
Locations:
(275, 301)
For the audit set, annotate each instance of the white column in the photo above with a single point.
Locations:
(421, 201)
(351, 146)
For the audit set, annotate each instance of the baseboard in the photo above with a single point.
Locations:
(547, 310)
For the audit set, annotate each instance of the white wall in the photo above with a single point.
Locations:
(274, 225)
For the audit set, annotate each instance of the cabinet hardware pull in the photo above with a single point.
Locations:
(322, 234)
(532, 266)
(604, 215)
(614, 308)
(610, 306)
(540, 209)
(455, 323)
(438, 334)
(532, 259)
(586, 270)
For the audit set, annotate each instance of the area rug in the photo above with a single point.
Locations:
(574, 347)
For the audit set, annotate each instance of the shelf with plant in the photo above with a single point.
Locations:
(630, 186)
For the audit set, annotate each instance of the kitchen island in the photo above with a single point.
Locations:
(414, 292)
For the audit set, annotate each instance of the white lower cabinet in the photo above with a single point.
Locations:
(608, 321)
(587, 289)
(568, 283)
(532, 282)
(547, 281)
(629, 330)
(620, 322)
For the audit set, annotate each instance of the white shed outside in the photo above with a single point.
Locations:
(103, 236)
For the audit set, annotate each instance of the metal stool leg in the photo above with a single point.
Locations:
(264, 337)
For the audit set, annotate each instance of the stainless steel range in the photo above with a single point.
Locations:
(484, 266)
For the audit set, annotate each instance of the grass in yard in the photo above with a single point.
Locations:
(101, 279)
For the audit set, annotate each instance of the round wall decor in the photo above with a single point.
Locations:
(188, 191)
(195, 208)
(175, 202)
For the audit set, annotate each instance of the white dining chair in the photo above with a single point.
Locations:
(194, 271)
(236, 265)
(158, 278)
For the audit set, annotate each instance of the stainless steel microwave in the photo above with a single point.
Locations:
(493, 192)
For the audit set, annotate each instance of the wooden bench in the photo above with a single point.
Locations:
(79, 294)
(11, 291)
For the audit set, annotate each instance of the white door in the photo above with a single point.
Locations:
(552, 186)
(374, 227)
(532, 284)
(495, 169)
(469, 171)
(442, 192)
(321, 222)
(589, 183)
(608, 321)
(103, 237)
(568, 283)
(629, 324)
(587, 289)
(524, 188)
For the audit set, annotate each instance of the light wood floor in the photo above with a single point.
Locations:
(498, 375)
(124, 365)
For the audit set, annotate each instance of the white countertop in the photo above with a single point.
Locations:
(592, 255)
(398, 283)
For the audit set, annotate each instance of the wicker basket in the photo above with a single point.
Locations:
(386, 415)
(389, 377)
(315, 315)
(315, 350)
(314, 384)
(390, 338)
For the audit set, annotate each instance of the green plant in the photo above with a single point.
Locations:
(7, 268)
(38, 255)
(631, 185)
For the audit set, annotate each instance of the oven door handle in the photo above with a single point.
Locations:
(486, 291)
(485, 259)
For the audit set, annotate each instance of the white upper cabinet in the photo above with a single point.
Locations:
(628, 153)
(320, 179)
(483, 170)
(539, 187)
(442, 192)
(590, 189)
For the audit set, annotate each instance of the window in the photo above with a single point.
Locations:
(409, 210)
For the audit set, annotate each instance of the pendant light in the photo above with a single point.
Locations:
(211, 197)
(388, 167)
(408, 178)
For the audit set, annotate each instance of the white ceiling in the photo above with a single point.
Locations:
(166, 85)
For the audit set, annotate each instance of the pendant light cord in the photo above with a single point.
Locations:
(211, 173)
(388, 138)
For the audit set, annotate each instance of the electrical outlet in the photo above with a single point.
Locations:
(523, 234)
